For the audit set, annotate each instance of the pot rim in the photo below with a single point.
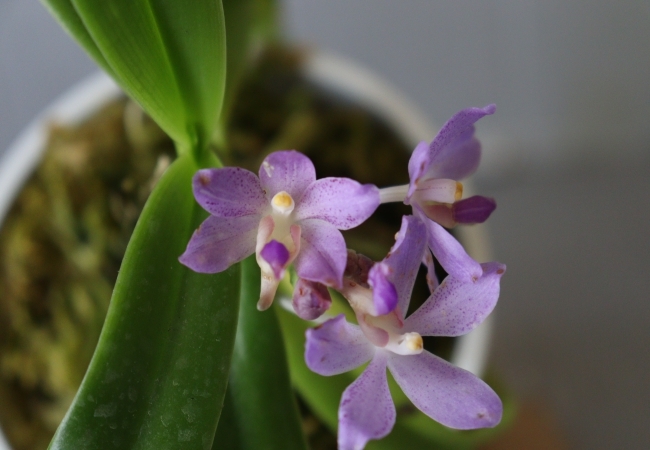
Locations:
(336, 74)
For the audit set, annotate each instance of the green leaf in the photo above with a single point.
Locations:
(261, 411)
(67, 16)
(239, 21)
(159, 373)
(412, 430)
(170, 56)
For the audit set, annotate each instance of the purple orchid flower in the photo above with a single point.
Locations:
(450, 395)
(285, 216)
(435, 194)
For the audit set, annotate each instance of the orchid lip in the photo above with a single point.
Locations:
(277, 256)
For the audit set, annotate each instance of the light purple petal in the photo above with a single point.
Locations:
(336, 347)
(454, 153)
(340, 201)
(367, 410)
(384, 294)
(449, 395)
(310, 299)
(458, 159)
(404, 259)
(220, 242)
(229, 192)
(323, 254)
(288, 171)
(474, 209)
(457, 307)
(276, 255)
(449, 253)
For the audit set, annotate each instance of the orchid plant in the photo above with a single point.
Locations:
(190, 355)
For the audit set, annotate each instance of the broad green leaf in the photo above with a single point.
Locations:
(67, 16)
(412, 430)
(239, 21)
(158, 376)
(170, 56)
(261, 411)
(251, 25)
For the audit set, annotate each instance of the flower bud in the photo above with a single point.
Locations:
(310, 299)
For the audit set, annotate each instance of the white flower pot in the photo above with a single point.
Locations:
(333, 73)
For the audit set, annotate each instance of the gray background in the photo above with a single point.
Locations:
(566, 156)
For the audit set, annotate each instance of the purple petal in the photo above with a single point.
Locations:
(340, 201)
(336, 347)
(277, 255)
(458, 159)
(457, 307)
(288, 171)
(310, 299)
(404, 259)
(229, 192)
(452, 396)
(367, 410)
(220, 242)
(323, 254)
(449, 253)
(474, 209)
(384, 294)
(454, 153)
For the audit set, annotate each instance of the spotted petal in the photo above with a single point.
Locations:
(449, 395)
(448, 251)
(220, 242)
(288, 171)
(457, 307)
(340, 201)
(336, 347)
(323, 254)
(367, 410)
(229, 192)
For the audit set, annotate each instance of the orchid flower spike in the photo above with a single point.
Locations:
(284, 216)
(435, 193)
(450, 395)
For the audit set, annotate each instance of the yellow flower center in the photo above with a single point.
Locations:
(282, 202)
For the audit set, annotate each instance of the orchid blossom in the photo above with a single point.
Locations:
(435, 193)
(388, 339)
(284, 216)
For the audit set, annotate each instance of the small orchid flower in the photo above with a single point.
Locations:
(284, 216)
(450, 395)
(435, 192)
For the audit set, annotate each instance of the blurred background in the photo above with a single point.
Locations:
(567, 156)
